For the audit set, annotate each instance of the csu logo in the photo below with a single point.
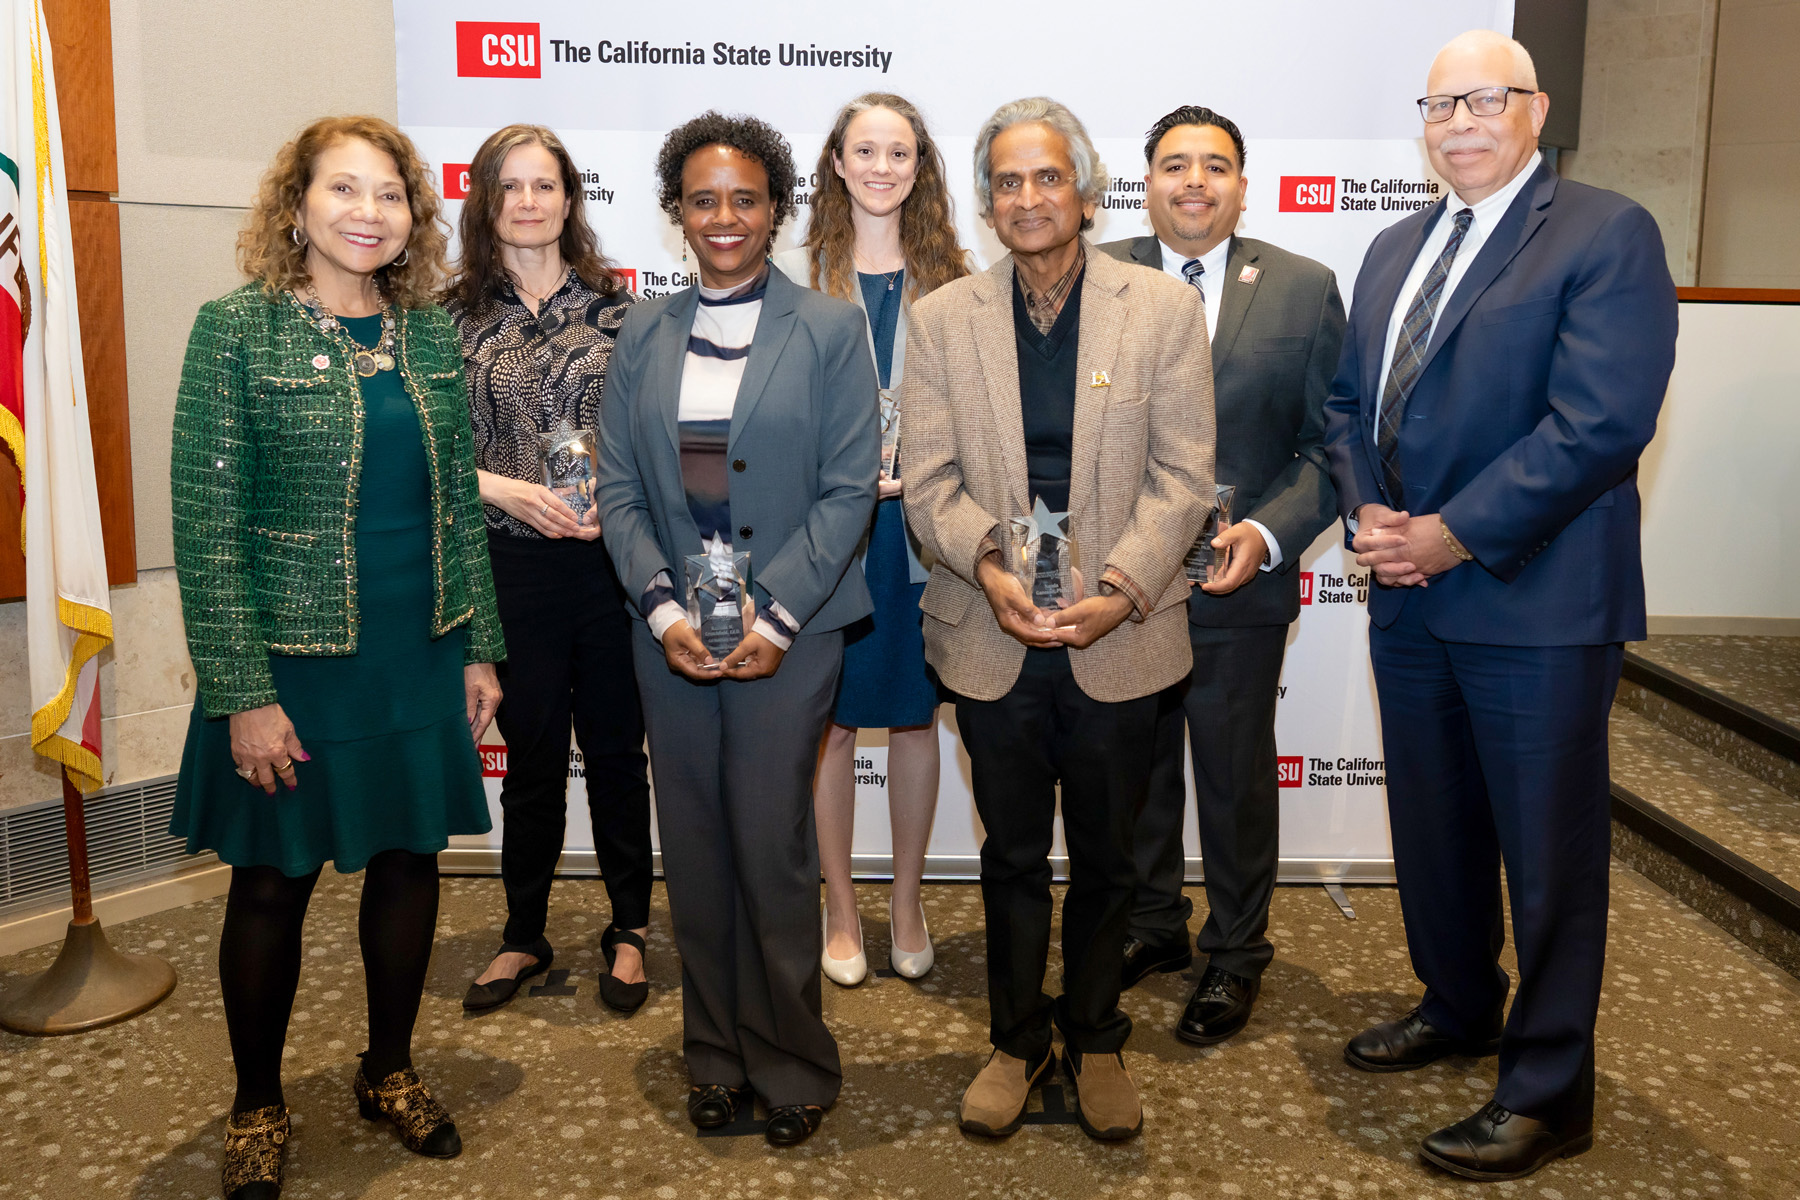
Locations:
(493, 761)
(503, 49)
(1308, 193)
(456, 181)
(1306, 580)
(627, 276)
(1287, 770)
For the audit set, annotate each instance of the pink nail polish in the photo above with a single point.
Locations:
(303, 756)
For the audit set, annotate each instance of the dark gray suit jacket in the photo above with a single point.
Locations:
(1274, 353)
(804, 448)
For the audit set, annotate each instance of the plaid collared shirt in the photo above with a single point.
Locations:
(1044, 309)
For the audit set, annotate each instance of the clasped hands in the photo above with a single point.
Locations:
(1080, 625)
(1402, 550)
(755, 657)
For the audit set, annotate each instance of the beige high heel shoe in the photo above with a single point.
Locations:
(910, 964)
(845, 972)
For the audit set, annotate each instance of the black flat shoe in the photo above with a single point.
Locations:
(1220, 1007)
(495, 992)
(1496, 1144)
(713, 1105)
(625, 997)
(1408, 1044)
(792, 1124)
(1143, 960)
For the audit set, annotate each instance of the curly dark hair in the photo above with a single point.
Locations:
(750, 137)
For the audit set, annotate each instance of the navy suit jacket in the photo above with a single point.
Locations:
(1539, 390)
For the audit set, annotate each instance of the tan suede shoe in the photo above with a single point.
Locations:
(994, 1105)
(1106, 1099)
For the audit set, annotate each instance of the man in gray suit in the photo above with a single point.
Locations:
(1276, 324)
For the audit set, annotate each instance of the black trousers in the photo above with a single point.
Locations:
(734, 766)
(1497, 757)
(1227, 708)
(1045, 731)
(568, 658)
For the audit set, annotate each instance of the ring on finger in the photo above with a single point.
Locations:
(280, 767)
(247, 772)
(544, 511)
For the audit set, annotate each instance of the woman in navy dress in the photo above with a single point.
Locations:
(881, 236)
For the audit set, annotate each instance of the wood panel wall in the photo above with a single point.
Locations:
(81, 52)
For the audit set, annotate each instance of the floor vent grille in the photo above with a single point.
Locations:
(127, 829)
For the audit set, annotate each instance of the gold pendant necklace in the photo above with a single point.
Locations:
(365, 361)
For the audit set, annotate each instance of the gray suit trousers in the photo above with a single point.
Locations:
(732, 768)
(1228, 707)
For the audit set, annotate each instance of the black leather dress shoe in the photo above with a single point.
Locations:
(792, 1124)
(1495, 1144)
(1219, 1008)
(1408, 1044)
(495, 992)
(1142, 959)
(713, 1105)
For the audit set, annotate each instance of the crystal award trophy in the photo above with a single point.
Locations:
(719, 603)
(1203, 563)
(567, 460)
(890, 435)
(1043, 557)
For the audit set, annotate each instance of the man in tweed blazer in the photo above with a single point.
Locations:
(1061, 376)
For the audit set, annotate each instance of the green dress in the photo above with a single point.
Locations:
(393, 765)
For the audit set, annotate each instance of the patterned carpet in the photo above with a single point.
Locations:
(560, 1099)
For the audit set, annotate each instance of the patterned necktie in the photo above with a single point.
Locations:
(1409, 356)
(1192, 270)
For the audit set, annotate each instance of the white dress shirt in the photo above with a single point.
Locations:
(1212, 285)
(1487, 215)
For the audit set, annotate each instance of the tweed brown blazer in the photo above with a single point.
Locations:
(1142, 460)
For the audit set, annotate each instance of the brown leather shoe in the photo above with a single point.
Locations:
(1106, 1100)
(994, 1105)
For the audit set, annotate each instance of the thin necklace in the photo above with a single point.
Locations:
(366, 361)
(545, 298)
(890, 276)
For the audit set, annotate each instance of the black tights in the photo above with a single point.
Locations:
(259, 964)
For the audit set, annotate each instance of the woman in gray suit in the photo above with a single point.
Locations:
(741, 418)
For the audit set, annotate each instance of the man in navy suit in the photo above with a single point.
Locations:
(1507, 353)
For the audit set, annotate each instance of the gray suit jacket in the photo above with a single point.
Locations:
(805, 448)
(1274, 353)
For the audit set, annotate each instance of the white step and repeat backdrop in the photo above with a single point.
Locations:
(1322, 90)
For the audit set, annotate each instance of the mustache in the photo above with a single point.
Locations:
(1467, 141)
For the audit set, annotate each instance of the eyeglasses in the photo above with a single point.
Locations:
(1482, 102)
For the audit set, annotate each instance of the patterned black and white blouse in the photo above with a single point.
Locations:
(530, 375)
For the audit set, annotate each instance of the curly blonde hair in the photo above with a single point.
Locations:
(268, 252)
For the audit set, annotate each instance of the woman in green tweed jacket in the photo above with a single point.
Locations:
(339, 607)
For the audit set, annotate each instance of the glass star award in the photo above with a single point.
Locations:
(719, 602)
(566, 460)
(1203, 563)
(890, 435)
(1044, 558)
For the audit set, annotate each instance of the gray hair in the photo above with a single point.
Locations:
(1524, 70)
(1090, 172)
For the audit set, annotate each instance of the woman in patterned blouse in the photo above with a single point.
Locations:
(538, 308)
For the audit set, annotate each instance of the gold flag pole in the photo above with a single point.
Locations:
(90, 984)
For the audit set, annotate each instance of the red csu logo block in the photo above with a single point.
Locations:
(1306, 580)
(1308, 193)
(1287, 769)
(493, 761)
(500, 49)
(456, 181)
(627, 276)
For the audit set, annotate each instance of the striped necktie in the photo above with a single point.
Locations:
(1192, 270)
(1409, 357)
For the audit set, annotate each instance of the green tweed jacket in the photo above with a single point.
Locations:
(267, 458)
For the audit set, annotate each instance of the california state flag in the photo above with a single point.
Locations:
(43, 408)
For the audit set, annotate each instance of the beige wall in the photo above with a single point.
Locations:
(206, 92)
(1751, 234)
(1646, 96)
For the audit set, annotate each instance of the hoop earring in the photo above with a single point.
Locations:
(404, 255)
(299, 239)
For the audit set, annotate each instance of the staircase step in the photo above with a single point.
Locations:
(1723, 840)
(1760, 673)
(1668, 681)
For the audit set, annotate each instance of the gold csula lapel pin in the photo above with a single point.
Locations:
(1101, 380)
